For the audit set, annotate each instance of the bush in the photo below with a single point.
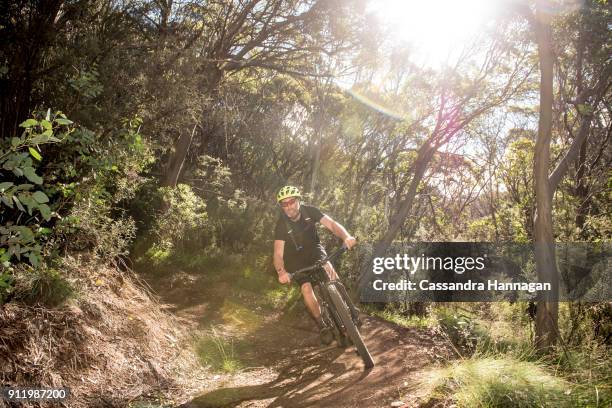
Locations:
(498, 339)
(27, 199)
(62, 189)
(461, 327)
(179, 219)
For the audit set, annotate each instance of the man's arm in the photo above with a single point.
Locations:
(279, 264)
(339, 231)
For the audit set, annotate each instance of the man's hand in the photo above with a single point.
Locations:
(283, 277)
(350, 242)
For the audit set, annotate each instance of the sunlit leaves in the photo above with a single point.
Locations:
(25, 198)
(29, 123)
(35, 153)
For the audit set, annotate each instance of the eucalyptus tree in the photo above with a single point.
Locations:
(476, 84)
(590, 94)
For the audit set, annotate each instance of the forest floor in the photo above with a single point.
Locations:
(276, 357)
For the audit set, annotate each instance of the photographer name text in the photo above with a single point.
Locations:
(424, 284)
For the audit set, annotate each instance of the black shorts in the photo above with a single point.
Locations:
(300, 280)
(294, 266)
(307, 277)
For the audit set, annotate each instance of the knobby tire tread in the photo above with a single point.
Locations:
(351, 329)
(327, 314)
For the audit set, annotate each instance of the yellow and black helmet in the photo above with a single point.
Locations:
(286, 192)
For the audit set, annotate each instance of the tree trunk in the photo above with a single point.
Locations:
(581, 184)
(182, 144)
(177, 159)
(424, 156)
(316, 162)
(547, 311)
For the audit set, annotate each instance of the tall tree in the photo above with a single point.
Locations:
(547, 331)
(547, 312)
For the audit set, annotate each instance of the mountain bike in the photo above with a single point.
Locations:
(337, 311)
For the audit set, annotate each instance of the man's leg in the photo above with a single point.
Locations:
(314, 309)
(311, 302)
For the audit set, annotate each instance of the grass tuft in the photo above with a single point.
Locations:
(499, 382)
(47, 287)
(218, 352)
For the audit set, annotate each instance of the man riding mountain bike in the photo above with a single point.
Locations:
(297, 245)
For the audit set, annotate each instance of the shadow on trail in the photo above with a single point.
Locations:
(295, 386)
(305, 375)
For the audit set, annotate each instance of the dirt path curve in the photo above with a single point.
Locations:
(285, 366)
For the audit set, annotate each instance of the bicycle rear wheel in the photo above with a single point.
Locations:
(351, 329)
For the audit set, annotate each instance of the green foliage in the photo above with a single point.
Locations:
(62, 187)
(282, 297)
(24, 194)
(460, 327)
(86, 82)
(498, 337)
(500, 367)
(158, 256)
(7, 283)
(587, 367)
(96, 177)
(184, 217)
(91, 227)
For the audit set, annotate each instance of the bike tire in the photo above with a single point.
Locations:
(350, 327)
(330, 319)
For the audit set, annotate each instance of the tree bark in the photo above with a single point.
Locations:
(547, 312)
(177, 159)
(318, 145)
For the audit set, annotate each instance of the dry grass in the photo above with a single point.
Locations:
(111, 344)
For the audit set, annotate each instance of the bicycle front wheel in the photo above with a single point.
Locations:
(351, 329)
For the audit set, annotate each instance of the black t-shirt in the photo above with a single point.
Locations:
(305, 248)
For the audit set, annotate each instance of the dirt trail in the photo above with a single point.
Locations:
(284, 364)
